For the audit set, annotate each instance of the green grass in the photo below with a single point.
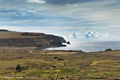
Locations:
(108, 73)
(93, 70)
(68, 71)
(9, 33)
(38, 73)
(92, 75)
(76, 65)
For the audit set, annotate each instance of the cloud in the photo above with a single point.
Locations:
(14, 13)
(66, 16)
(44, 29)
(36, 1)
(90, 13)
(92, 35)
(64, 2)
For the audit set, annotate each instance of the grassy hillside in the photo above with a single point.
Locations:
(9, 34)
(20, 39)
(63, 65)
(14, 34)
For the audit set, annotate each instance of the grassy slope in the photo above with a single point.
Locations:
(9, 33)
(77, 65)
(13, 34)
(11, 38)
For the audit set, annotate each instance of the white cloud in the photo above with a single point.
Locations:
(103, 12)
(92, 35)
(68, 35)
(44, 29)
(22, 21)
(36, 1)
(101, 16)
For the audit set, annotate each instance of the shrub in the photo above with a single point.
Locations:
(108, 50)
(18, 68)
(55, 57)
(60, 59)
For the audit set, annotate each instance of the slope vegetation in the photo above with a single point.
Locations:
(25, 39)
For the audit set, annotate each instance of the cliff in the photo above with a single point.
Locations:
(62, 40)
(20, 39)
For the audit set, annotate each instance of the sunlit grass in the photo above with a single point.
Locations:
(86, 66)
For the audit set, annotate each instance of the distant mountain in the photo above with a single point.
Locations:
(26, 39)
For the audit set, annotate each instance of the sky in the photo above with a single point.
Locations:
(67, 18)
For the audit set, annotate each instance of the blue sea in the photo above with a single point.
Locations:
(91, 46)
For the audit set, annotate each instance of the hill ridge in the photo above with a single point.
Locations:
(29, 39)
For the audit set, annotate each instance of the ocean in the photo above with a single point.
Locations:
(91, 46)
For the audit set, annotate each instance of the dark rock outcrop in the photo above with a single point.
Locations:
(68, 42)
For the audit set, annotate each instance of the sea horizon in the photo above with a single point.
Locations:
(89, 46)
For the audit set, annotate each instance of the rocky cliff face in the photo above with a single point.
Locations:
(31, 40)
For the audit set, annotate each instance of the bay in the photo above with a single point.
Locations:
(90, 46)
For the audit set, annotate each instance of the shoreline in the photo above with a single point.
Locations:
(45, 49)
